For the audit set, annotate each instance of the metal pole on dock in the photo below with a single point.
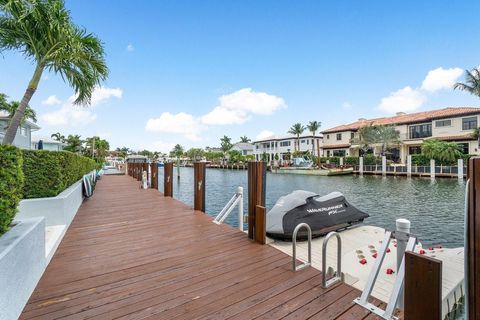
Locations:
(199, 169)
(402, 225)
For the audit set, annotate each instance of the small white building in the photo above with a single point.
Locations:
(47, 143)
(23, 138)
(245, 148)
(284, 146)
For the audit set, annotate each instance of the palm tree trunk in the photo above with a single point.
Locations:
(19, 113)
(313, 144)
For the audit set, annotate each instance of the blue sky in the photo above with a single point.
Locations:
(273, 62)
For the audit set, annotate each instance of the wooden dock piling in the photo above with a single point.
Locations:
(167, 179)
(199, 169)
(154, 175)
(472, 276)
(256, 192)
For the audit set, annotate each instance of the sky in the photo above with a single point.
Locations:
(189, 72)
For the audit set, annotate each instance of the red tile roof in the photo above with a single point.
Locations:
(406, 118)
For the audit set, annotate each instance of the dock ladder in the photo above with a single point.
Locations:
(237, 199)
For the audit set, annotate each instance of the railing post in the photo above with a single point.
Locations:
(154, 175)
(167, 179)
(240, 208)
(409, 165)
(432, 168)
(384, 165)
(360, 165)
(256, 192)
(472, 241)
(199, 186)
(423, 287)
(402, 225)
(260, 224)
(460, 168)
(341, 161)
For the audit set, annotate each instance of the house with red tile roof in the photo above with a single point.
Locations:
(449, 124)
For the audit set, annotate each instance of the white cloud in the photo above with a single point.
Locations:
(180, 123)
(347, 105)
(403, 100)
(265, 134)
(51, 100)
(440, 78)
(236, 107)
(130, 47)
(73, 115)
(101, 94)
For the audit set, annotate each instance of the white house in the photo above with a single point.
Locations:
(245, 148)
(47, 143)
(23, 138)
(284, 146)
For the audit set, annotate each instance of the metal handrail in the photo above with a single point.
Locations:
(338, 277)
(294, 247)
(236, 199)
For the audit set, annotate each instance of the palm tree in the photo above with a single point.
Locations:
(387, 136)
(367, 136)
(226, 145)
(297, 129)
(58, 137)
(11, 107)
(472, 82)
(43, 32)
(245, 139)
(313, 126)
(74, 143)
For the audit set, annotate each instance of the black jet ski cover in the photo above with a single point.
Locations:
(322, 214)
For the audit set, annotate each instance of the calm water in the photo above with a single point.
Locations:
(435, 208)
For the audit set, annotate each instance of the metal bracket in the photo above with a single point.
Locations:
(397, 286)
(338, 277)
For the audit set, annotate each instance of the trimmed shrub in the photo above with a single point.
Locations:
(370, 159)
(334, 160)
(11, 184)
(47, 173)
(420, 160)
(351, 161)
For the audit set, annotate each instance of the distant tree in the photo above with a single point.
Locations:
(313, 127)
(387, 136)
(472, 82)
(195, 154)
(366, 138)
(225, 145)
(74, 143)
(58, 137)
(444, 152)
(44, 32)
(235, 156)
(245, 139)
(177, 151)
(11, 107)
(297, 129)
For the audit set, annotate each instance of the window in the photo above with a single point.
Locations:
(303, 141)
(339, 153)
(415, 150)
(443, 123)
(469, 123)
(420, 131)
(339, 136)
(23, 131)
(352, 135)
(284, 143)
(308, 141)
(328, 136)
(463, 147)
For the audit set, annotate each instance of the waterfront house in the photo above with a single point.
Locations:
(47, 143)
(245, 148)
(447, 124)
(284, 146)
(23, 138)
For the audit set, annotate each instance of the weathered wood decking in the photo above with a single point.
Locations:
(134, 254)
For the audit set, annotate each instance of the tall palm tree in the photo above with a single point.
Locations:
(43, 32)
(245, 139)
(297, 129)
(58, 137)
(366, 137)
(74, 143)
(313, 126)
(472, 82)
(387, 136)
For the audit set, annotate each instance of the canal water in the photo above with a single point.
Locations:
(434, 207)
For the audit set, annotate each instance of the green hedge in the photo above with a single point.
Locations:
(351, 160)
(370, 159)
(47, 173)
(11, 184)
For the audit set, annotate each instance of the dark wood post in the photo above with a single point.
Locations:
(144, 168)
(256, 192)
(473, 239)
(154, 175)
(199, 169)
(423, 287)
(139, 171)
(260, 224)
(167, 179)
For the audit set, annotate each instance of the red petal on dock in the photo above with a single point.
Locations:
(363, 261)
(390, 271)
(422, 251)
(430, 248)
(388, 250)
(374, 255)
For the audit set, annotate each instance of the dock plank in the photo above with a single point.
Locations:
(134, 254)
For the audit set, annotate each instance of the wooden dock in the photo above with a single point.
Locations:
(135, 254)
